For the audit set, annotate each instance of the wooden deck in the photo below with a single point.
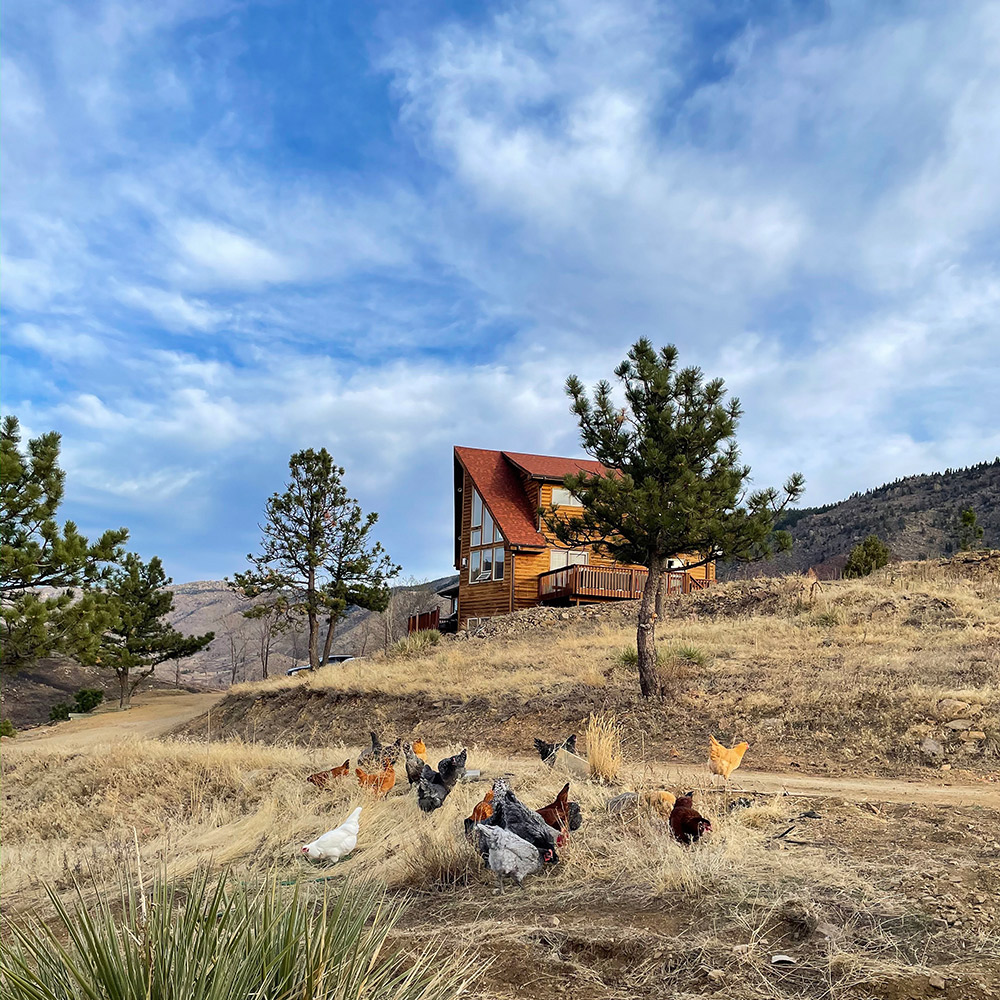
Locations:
(607, 583)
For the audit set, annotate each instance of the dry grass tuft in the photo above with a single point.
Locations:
(604, 746)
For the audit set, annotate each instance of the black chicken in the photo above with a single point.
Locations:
(433, 786)
(547, 751)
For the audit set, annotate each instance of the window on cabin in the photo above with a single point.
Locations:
(561, 497)
(486, 551)
(558, 558)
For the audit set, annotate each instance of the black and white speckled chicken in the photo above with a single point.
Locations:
(547, 751)
(433, 786)
(507, 854)
(512, 814)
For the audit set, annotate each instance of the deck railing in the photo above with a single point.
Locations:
(607, 583)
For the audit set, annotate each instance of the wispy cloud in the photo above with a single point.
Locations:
(218, 248)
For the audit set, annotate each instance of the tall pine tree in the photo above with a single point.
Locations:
(138, 638)
(674, 482)
(317, 555)
(49, 575)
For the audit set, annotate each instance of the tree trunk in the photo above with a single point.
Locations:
(313, 621)
(661, 588)
(125, 699)
(645, 636)
(331, 625)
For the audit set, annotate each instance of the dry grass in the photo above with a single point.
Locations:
(851, 673)
(604, 747)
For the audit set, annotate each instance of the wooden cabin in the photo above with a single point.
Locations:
(507, 559)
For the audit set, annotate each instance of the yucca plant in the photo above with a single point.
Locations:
(213, 938)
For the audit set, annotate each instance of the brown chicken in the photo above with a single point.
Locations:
(562, 815)
(724, 760)
(484, 809)
(378, 783)
(323, 779)
(686, 823)
(420, 749)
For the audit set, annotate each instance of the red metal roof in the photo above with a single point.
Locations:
(552, 468)
(496, 474)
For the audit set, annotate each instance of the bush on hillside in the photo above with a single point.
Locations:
(870, 555)
(87, 699)
(418, 644)
(7, 728)
(60, 712)
(258, 941)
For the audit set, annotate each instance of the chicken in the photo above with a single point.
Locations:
(379, 782)
(420, 749)
(508, 854)
(627, 805)
(323, 779)
(414, 763)
(433, 786)
(686, 823)
(379, 755)
(482, 811)
(512, 814)
(547, 751)
(724, 760)
(562, 815)
(338, 843)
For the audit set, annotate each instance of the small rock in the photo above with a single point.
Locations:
(949, 708)
(553, 921)
(931, 748)
(974, 734)
(716, 974)
(959, 724)
(741, 949)
(935, 982)
(773, 722)
(946, 767)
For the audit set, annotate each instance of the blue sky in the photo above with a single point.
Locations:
(233, 230)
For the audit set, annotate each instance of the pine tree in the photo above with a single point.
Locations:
(138, 638)
(969, 530)
(49, 576)
(870, 555)
(674, 483)
(317, 556)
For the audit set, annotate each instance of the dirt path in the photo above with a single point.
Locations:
(861, 789)
(157, 713)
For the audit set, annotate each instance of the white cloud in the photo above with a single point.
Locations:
(58, 344)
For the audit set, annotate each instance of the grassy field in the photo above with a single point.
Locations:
(890, 894)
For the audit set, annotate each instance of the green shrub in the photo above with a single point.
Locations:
(7, 728)
(418, 644)
(689, 654)
(870, 555)
(87, 699)
(216, 939)
(628, 656)
(60, 712)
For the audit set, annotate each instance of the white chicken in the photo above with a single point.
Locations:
(338, 843)
(510, 854)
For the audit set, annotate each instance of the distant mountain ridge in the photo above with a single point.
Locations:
(914, 516)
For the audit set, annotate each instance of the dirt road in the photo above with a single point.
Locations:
(157, 713)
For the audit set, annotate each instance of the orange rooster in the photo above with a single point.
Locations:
(323, 779)
(484, 809)
(420, 749)
(378, 783)
(724, 760)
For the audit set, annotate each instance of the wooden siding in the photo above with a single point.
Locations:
(519, 588)
(478, 600)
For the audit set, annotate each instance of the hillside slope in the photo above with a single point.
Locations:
(914, 515)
